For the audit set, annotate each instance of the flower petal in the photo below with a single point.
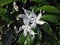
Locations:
(26, 21)
(31, 20)
(21, 16)
(25, 32)
(26, 11)
(39, 16)
(33, 25)
(31, 32)
(32, 15)
(40, 22)
(21, 28)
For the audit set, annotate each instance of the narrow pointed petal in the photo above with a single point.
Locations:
(33, 25)
(26, 11)
(31, 32)
(25, 32)
(40, 22)
(32, 15)
(26, 21)
(21, 28)
(39, 16)
(21, 16)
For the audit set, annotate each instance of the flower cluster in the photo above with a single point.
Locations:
(30, 20)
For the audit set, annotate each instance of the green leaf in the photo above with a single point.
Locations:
(0, 42)
(59, 42)
(2, 11)
(9, 21)
(47, 28)
(48, 32)
(21, 39)
(50, 9)
(3, 2)
(24, 1)
(3, 14)
(50, 18)
(38, 1)
(29, 40)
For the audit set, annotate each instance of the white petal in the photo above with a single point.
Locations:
(26, 11)
(21, 28)
(40, 22)
(31, 32)
(21, 16)
(26, 21)
(39, 16)
(33, 25)
(25, 32)
(32, 15)
(31, 20)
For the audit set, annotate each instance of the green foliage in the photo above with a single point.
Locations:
(38, 1)
(3, 2)
(50, 17)
(51, 9)
(48, 8)
(0, 42)
(24, 1)
(58, 42)
(2, 11)
(21, 39)
(47, 29)
(29, 40)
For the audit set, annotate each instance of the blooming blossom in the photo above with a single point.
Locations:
(26, 29)
(36, 19)
(30, 17)
(26, 17)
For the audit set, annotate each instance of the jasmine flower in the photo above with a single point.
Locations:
(26, 17)
(30, 17)
(36, 19)
(26, 29)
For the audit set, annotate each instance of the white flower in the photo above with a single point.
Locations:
(36, 19)
(26, 17)
(26, 29)
(15, 6)
(30, 17)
